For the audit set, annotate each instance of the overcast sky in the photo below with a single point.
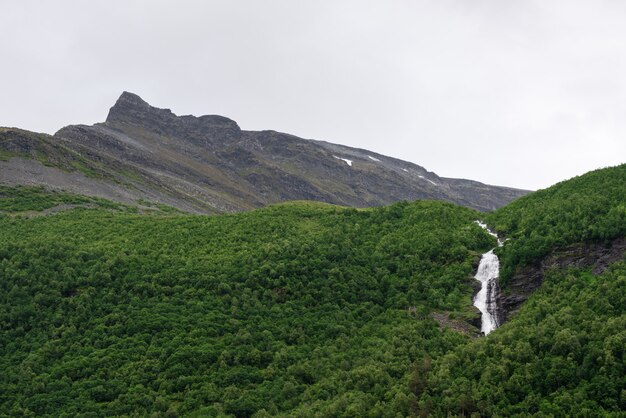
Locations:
(516, 93)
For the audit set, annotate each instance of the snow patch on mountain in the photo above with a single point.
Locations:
(430, 181)
(349, 162)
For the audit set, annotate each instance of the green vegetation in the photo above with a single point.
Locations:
(7, 155)
(21, 199)
(295, 309)
(562, 355)
(52, 153)
(36, 200)
(159, 206)
(587, 208)
(305, 309)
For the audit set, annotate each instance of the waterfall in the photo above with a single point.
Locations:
(486, 298)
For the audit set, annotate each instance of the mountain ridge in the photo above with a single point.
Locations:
(208, 164)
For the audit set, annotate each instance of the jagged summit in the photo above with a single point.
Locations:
(130, 109)
(128, 97)
(129, 105)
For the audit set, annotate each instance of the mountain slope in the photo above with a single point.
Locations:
(588, 208)
(561, 353)
(208, 164)
(296, 309)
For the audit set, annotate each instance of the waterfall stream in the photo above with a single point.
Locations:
(486, 298)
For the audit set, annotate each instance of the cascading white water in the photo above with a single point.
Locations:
(487, 275)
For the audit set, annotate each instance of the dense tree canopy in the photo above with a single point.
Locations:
(304, 309)
(587, 208)
(563, 353)
(295, 309)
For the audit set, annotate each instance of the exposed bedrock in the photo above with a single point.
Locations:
(527, 279)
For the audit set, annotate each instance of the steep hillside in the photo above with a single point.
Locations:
(207, 164)
(579, 223)
(588, 208)
(32, 159)
(561, 353)
(294, 309)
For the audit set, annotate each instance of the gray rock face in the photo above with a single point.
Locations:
(598, 256)
(208, 164)
(131, 109)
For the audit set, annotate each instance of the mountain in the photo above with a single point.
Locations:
(145, 155)
(309, 309)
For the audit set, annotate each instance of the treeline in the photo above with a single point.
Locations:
(15, 200)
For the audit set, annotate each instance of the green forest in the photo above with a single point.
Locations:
(305, 309)
(588, 208)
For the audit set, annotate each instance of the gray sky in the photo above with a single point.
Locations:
(516, 93)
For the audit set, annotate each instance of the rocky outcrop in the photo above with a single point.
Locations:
(445, 320)
(132, 110)
(527, 279)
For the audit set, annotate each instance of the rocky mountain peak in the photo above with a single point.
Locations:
(130, 106)
(130, 109)
(132, 98)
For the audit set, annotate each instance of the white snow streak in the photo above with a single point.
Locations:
(430, 181)
(349, 162)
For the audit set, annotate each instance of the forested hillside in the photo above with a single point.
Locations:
(305, 309)
(295, 309)
(588, 208)
(563, 353)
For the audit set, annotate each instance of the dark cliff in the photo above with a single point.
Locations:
(527, 279)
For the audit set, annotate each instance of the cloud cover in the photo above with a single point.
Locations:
(522, 94)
